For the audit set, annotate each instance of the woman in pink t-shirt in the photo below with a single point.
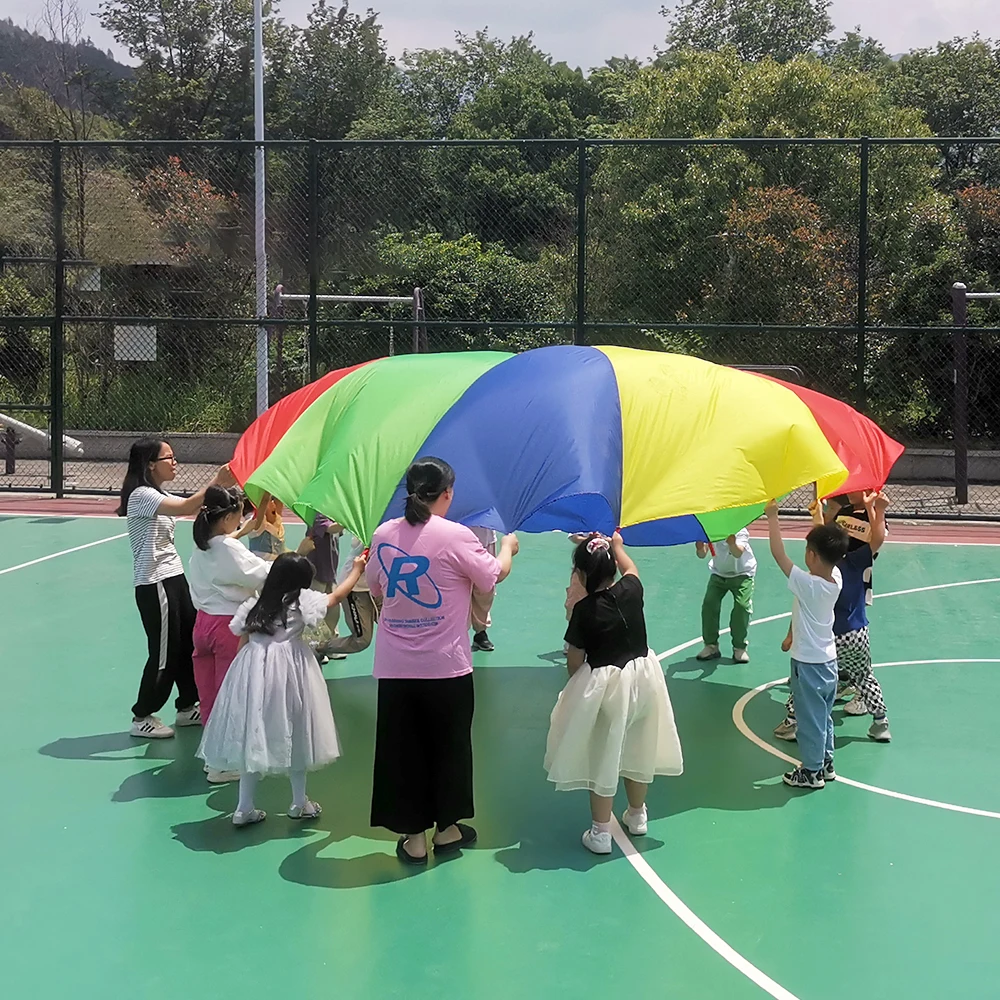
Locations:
(423, 568)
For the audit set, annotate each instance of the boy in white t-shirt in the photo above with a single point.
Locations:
(813, 674)
(732, 568)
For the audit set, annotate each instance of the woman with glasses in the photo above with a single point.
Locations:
(161, 591)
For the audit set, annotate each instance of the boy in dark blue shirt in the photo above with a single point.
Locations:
(862, 516)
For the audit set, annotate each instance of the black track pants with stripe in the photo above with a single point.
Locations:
(168, 618)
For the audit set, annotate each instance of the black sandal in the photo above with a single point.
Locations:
(468, 838)
(405, 856)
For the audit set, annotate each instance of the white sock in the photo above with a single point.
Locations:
(600, 827)
(298, 780)
(636, 813)
(248, 785)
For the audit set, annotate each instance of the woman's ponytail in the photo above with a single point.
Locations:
(426, 480)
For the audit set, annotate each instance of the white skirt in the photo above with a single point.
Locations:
(272, 714)
(610, 723)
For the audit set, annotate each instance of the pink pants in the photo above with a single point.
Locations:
(214, 650)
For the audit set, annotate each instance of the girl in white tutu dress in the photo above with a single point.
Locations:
(272, 714)
(613, 719)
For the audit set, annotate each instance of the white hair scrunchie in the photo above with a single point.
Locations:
(598, 544)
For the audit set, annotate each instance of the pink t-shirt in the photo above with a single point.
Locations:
(424, 575)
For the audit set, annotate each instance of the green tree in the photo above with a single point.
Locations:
(956, 86)
(855, 51)
(761, 234)
(195, 63)
(335, 68)
(462, 279)
(781, 29)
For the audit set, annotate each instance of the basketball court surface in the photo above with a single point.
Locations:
(123, 876)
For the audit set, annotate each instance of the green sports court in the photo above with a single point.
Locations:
(123, 876)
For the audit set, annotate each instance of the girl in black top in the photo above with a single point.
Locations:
(613, 719)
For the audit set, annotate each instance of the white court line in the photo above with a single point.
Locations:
(69, 516)
(741, 724)
(65, 552)
(693, 921)
(677, 905)
(788, 614)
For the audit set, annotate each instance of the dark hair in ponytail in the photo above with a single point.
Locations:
(289, 574)
(594, 559)
(141, 456)
(426, 480)
(219, 503)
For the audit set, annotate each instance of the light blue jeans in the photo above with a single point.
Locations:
(814, 688)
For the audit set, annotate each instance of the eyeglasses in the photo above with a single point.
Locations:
(168, 458)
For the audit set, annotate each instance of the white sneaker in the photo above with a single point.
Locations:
(636, 823)
(222, 777)
(741, 656)
(150, 728)
(856, 706)
(709, 653)
(189, 717)
(596, 842)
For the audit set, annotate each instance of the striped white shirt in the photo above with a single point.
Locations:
(151, 535)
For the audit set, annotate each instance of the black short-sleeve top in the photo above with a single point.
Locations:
(609, 626)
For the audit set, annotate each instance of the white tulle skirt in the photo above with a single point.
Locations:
(613, 723)
(272, 714)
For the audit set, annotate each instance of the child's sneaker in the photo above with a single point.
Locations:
(709, 653)
(150, 728)
(828, 772)
(787, 730)
(845, 691)
(188, 717)
(803, 778)
(636, 822)
(856, 706)
(879, 730)
(481, 643)
(597, 841)
(740, 656)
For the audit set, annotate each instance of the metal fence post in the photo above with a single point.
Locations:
(313, 258)
(960, 374)
(419, 327)
(56, 380)
(860, 356)
(580, 332)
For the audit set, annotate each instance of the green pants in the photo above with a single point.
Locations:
(741, 587)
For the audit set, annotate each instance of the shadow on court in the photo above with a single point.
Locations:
(519, 814)
(178, 774)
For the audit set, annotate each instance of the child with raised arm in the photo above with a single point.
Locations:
(266, 530)
(321, 546)
(272, 714)
(482, 601)
(613, 719)
(862, 516)
(813, 673)
(732, 570)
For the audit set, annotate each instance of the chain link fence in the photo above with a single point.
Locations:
(128, 292)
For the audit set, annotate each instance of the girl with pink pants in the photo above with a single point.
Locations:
(223, 574)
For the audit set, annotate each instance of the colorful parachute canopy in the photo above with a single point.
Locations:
(667, 448)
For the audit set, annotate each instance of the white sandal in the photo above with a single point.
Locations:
(309, 811)
(249, 818)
